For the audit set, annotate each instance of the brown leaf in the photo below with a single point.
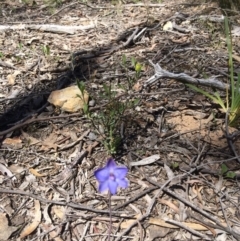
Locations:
(59, 211)
(129, 222)
(5, 230)
(137, 86)
(11, 77)
(53, 234)
(169, 204)
(158, 232)
(49, 143)
(31, 140)
(236, 57)
(15, 143)
(36, 173)
(35, 222)
(163, 223)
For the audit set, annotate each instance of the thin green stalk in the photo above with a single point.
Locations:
(110, 216)
(230, 61)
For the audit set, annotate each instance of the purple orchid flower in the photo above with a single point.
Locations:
(111, 177)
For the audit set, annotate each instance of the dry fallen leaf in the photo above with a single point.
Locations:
(146, 161)
(236, 57)
(49, 143)
(53, 234)
(163, 223)
(169, 204)
(16, 169)
(169, 172)
(31, 140)
(14, 143)
(137, 86)
(5, 230)
(11, 77)
(35, 222)
(158, 232)
(59, 211)
(36, 173)
(129, 222)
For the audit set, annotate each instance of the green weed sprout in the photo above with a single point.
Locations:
(232, 104)
(137, 67)
(226, 173)
(81, 87)
(46, 50)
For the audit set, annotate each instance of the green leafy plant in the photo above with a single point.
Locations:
(175, 165)
(46, 50)
(137, 68)
(81, 86)
(20, 45)
(226, 173)
(107, 122)
(231, 106)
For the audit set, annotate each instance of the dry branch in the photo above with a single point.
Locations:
(184, 78)
(60, 203)
(217, 18)
(47, 28)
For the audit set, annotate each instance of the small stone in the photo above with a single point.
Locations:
(91, 103)
(92, 136)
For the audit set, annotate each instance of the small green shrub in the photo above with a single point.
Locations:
(107, 121)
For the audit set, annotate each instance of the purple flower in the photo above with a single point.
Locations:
(111, 177)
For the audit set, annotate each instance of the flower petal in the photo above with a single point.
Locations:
(112, 187)
(111, 164)
(120, 172)
(103, 186)
(102, 174)
(122, 182)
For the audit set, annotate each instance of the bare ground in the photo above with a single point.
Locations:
(48, 191)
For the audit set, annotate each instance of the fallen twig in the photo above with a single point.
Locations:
(4, 64)
(63, 148)
(184, 78)
(136, 197)
(47, 28)
(34, 119)
(69, 204)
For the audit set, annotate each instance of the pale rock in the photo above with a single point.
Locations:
(68, 99)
